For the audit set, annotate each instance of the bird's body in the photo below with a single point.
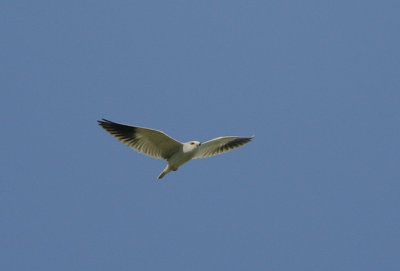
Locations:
(183, 155)
(156, 144)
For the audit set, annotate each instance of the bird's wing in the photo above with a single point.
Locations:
(220, 145)
(144, 140)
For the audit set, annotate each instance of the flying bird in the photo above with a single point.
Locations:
(157, 144)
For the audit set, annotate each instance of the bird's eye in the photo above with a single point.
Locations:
(191, 143)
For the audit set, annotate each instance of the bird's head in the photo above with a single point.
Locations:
(194, 143)
(191, 145)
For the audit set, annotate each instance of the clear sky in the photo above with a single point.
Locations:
(316, 82)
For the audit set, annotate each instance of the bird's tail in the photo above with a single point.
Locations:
(162, 175)
(165, 171)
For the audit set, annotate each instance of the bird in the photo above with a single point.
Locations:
(159, 145)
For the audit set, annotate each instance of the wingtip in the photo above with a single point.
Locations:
(103, 121)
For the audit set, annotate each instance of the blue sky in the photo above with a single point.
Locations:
(316, 82)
